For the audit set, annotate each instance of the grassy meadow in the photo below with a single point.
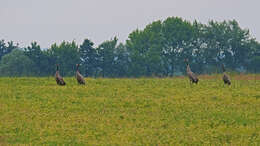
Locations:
(145, 111)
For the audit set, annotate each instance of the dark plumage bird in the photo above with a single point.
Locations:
(225, 77)
(193, 78)
(58, 77)
(79, 77)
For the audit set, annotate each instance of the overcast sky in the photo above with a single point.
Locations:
(50, 21)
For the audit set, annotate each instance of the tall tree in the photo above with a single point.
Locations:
(88, 55)
(253, 62)
(40, 59)
(226, 42)
(178, 35)
(121, 61)
(106, 56)
(240, 42)
(145, 50)
(5, 49)
(16, 64)
(67, 55)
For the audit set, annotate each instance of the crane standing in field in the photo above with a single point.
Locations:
(193, 78)
(79, 77)
(58, 77)
(225, 77)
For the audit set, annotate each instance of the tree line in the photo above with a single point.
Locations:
(157, 50)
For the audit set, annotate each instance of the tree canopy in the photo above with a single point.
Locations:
(157, 50)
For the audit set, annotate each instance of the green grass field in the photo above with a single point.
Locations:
(146, 111)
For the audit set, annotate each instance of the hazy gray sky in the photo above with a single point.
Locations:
(49, 21)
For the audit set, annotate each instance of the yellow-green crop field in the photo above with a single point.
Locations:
(145, 111)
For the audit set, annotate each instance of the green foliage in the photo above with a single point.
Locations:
(5, 49)
(16, 64)
(66, 55)
(145, 50)
(89, 57)
(228, 43)
(106, 57)
(151, 111)
(255, 63)
(40, 58)
(121, 61)
(178, 35)
(162, 46)
(157, 50)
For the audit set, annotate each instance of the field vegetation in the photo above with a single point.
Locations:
(143, 111)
